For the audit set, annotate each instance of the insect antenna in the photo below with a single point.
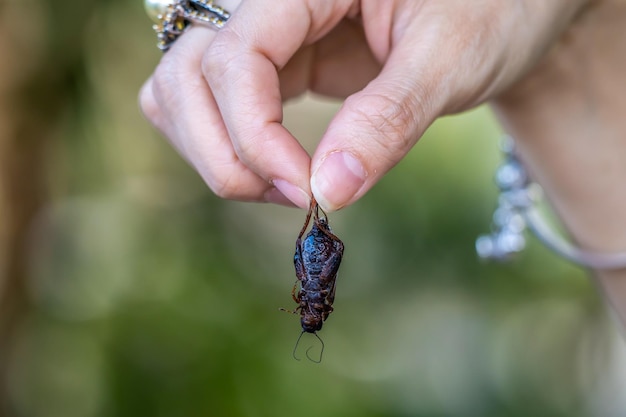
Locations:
(321, 351)
(296, 346)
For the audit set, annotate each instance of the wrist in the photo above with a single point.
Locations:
(568, 120)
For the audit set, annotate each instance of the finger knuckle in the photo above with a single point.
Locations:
(394, 120)
(167, 79)
(149, 106)
(251, 147)
(224, 186)
(160, 81)
(217, 58)
(227, 181)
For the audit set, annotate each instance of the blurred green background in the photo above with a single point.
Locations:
(127, 289)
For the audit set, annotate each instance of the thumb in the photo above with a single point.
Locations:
(446, 57)
(374, 129)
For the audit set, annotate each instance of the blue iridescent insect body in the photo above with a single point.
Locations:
(317, 261)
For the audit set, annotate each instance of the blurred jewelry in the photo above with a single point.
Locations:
(518, 210)
(172, 17)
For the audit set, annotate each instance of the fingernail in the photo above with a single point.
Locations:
(337, 180)
(276, 197)
(294, 193)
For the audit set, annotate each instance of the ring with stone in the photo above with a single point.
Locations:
(172, 17)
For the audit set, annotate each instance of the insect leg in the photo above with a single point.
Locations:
(294, 311)
(331, 295)
(330, 269)
(324, 228)
(308, 218)
(295, 297)
(316, 216)
(298, 262)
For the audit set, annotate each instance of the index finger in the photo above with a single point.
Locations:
(241, 67)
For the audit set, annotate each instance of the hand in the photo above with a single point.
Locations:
(400, 63)
(568, 119)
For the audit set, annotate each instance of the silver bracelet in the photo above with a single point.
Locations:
(518, 210)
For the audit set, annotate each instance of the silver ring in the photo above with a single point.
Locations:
(173, 17)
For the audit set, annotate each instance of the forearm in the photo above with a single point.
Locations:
(569, 118)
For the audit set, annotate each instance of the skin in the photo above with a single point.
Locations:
(400, 64)
(568, 117)
(550, 69)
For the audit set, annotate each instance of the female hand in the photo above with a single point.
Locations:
(401, 64)
(567, 116)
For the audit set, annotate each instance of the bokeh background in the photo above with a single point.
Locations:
(127, 289)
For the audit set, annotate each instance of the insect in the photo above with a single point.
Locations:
(317, 261)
